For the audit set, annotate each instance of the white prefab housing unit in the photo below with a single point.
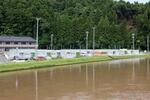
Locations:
(68, 54)
(21, 54)
(117, 52)
(87, 53)
(54, 53)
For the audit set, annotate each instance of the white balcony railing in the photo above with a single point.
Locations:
(17, 45)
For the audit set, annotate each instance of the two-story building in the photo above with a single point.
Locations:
(13, 42)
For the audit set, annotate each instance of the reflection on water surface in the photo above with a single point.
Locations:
(115, 80)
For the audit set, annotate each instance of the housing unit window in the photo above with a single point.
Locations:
(15, 42)
(23, 42)
(30, 43)
(7, 42)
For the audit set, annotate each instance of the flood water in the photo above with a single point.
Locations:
(115, 80)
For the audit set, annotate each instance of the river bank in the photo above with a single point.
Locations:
(59, 62)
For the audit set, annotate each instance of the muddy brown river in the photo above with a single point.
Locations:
(114, 80)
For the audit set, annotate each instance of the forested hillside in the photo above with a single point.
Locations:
(68, 20)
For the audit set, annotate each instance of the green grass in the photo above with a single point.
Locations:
(59, 62)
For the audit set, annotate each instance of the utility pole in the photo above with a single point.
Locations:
(52, 41)
(147, 43)
(94, 38)
(87, 35)
(133, 37)
(37, 33)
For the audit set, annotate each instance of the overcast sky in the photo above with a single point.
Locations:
(140, 1)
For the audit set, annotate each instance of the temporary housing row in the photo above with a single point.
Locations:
(50, 54)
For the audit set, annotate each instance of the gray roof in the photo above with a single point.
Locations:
(16, 39)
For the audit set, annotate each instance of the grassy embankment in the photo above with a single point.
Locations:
(59, 62)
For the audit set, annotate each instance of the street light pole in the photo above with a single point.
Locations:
(37, 33)
(87, 35)
(94, 38)
(133, 37)
(52, 41)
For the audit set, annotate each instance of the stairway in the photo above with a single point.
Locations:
(3, 59)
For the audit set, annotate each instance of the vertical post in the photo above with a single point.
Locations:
(61, 47)
(52, 41)
(87, 35)
(133, 37)
(147, 43)
(94, 38)
(70, 46)
(37, 33)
